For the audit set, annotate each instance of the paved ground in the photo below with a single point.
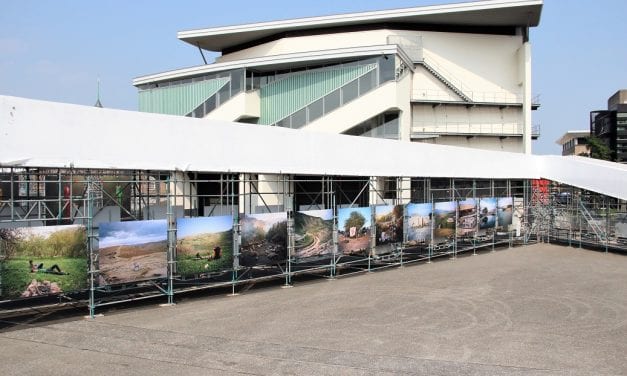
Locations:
(540, 309)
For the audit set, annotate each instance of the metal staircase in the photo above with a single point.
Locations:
(592, 223)
(446, 82)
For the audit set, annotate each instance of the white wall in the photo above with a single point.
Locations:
(461, 119)
(510, 144)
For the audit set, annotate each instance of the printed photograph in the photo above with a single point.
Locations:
(504, 212)
(204, 245)
(264, 239)
(43, 260)
(354, 226)
(313, 232)
(419, 224)
(132, 251)
(467, 218)
(487, 214)
(388, 227)
(444, 226)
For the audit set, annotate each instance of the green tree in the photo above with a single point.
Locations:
(598, 149)
(354, 220)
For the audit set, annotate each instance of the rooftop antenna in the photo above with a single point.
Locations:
(98, 104)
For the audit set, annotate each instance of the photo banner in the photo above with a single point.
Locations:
(504, 212)
(132, 251)
(445, 218)
(204, 245)
(388, 227)
(487, 214)
(419, 217)
(42, 261)
(313, 232)
(354, 228)
(264, 239)
(467, 218)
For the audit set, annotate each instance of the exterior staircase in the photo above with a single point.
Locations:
(446, 82)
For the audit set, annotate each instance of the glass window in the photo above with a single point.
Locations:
(386, 68)
(315, 110)
(237, 78)
(332, 101)
(285, 123)
(367, 82)
(299, 118)
(224, 93)
(350, 91)
(210, 104)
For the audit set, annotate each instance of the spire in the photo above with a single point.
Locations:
(98, 104)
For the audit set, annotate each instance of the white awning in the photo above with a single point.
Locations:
(46, 134)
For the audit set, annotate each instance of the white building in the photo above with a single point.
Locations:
(457, 74)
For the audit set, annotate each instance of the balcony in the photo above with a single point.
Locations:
(422, 129)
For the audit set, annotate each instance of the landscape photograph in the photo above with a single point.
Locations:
(388, 227)
(504, 212)
(444, 226)
(132, 251)
(43, 261)
(313, 233)
(264, 239)
(204, 245)
(354, 228)
(467, 218)
(419, 218)
(487, 214)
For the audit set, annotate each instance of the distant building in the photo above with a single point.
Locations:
(611, 125)
(575, 143)
(456, 74)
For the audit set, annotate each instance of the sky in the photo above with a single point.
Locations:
(203, 225)
(132, 233)
(58, 50)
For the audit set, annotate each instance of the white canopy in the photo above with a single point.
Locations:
(46, 134)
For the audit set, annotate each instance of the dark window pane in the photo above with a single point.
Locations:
(299, 118)
(350, 91)
(332, 101)
(386, 68)
(315, 110)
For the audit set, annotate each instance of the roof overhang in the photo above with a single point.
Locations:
(484, 14)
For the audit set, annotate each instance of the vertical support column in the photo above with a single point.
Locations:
(90, 248)
(524, 58)
(171, 244)
(288, 204)
(430, 251)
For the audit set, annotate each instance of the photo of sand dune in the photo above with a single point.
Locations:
(132, 251)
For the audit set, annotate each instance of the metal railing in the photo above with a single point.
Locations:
(467, 128)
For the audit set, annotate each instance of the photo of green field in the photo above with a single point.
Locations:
(43, 260)
(204, 245)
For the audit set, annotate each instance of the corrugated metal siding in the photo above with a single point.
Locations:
(283, 97)
(179, 99)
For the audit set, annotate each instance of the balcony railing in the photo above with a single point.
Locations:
(461, 128)
(475, 96)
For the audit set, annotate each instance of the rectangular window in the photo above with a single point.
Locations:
(315, 110)
(299, 118)
(350, 91)
(367, 82)
(332, 101)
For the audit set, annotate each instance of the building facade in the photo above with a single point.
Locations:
(610, 126)
(575, 143)
(457, 74)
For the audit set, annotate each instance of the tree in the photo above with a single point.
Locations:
(598, 149)
(354, 220)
